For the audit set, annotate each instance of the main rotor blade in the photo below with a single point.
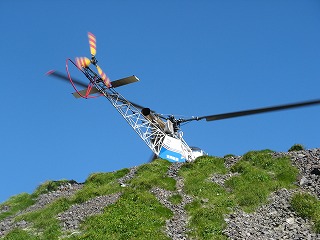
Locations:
(118, 83)
(124, 81)
(259, 110)
(64, 77)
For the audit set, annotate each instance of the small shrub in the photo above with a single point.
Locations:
(175, 199)
(296, 147)
(50, 186)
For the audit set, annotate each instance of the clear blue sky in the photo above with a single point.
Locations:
(193, 58)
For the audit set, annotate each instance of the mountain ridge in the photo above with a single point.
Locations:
(170, 199)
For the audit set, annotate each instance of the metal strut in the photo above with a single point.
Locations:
(150, 133)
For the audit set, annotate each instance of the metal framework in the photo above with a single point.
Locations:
(148, 131)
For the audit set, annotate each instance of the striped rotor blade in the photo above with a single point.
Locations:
(104, 77)
(92, 44)
(82, 62)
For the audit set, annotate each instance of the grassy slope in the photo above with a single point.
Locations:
(139, 215)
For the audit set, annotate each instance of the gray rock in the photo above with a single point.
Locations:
(71, 219)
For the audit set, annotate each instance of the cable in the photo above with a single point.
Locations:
(90, 85)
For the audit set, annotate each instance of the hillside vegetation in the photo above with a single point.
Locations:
(257, 196)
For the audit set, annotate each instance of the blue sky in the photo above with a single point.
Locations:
(193, 58)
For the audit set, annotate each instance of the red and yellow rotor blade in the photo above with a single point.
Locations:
(104, 77)
(92, 43)
(82, 62)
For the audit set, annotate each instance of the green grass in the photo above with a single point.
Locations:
(307, 206)
(265, 173)
(259, 175)
(153, 174)
(99, 184)
(19, 234)
(136, 215)
(44, 221)
(24, 200)
(211, 201)
(175, 199)
(17, 203)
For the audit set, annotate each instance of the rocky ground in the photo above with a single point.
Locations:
(308, 163)
(274, 220)
(65, 190)
(71, 219)
(176, 227)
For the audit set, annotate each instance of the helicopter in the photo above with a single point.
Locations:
(162, 134)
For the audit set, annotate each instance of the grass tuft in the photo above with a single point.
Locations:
(17, 203)
(153, 174)
(19, 234)
(45, 225)
(175, 199)
(99, 184)
(136, 215)
(307, 206)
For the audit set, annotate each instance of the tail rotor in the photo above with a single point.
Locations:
(92, 44)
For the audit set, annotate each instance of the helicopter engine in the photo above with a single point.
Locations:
(167, 127)
(146, 112)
